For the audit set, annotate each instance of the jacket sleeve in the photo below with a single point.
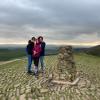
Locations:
(43, 45)
(29, 49)
(26, 49)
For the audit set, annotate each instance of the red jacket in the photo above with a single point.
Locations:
(37, 49)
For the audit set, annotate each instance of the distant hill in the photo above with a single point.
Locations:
(10, 52)
(93, 50)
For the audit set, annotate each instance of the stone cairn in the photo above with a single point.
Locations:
(65, 70)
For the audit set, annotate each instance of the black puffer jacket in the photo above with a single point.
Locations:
(29, 48)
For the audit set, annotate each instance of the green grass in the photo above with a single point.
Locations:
(9, 54)
(90, 65)
(6, 55)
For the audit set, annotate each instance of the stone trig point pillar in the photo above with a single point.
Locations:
(65, 69)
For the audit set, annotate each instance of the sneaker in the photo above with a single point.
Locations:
(36, 75)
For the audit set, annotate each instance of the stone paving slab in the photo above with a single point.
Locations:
(16, 84)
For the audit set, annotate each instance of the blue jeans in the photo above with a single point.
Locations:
(29, 62)
(42, 62)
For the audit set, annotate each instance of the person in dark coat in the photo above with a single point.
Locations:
(29, 49)
(43, 44)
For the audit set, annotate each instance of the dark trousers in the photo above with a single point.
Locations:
(36, 63)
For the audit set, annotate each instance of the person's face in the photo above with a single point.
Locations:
(41, 40)
(37, 41)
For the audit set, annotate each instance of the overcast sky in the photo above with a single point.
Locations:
(59, 21)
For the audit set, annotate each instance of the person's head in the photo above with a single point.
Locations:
(33, 39)
(29, 42)
(36, 42)
(40, 39)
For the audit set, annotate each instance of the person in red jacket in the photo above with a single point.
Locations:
(36, 55)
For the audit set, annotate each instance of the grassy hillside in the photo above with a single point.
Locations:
(16, 84)
(89, 64)
(93, 50)
(9, 54)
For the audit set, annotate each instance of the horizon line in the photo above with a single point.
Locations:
(82, 45)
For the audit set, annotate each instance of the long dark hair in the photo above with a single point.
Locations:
(33, 38)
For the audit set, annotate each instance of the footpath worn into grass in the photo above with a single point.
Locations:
(16, 84)
(10, 61)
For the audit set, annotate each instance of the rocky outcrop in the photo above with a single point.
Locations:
(65, 69)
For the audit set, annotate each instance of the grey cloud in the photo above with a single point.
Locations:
(54, 19)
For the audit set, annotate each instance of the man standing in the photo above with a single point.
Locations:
(43, 44)
(29, 49)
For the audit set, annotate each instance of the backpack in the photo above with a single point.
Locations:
(37, 49)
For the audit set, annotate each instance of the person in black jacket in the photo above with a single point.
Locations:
(29, 49)
(43, 44)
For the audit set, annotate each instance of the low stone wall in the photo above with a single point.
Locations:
(65, 69)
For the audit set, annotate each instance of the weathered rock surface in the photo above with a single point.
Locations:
(66, 69)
